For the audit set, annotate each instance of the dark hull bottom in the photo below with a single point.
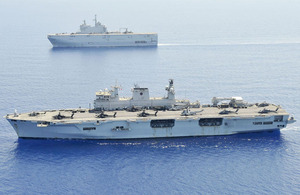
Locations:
(268, 131)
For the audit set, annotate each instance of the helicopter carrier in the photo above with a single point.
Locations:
(141, 116)
(98, 36)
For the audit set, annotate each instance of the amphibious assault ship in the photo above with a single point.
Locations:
(98, 36)
(140, 116)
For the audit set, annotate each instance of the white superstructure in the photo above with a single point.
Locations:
(143, 117)
(98, 36)
(110, 100)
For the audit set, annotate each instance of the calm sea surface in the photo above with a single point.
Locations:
(210, 48)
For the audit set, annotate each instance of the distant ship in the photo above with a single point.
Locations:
(140, 116)
(98, 36)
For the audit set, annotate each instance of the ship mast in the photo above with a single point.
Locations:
(95, 19)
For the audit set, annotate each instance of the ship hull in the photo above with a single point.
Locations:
(103, 40)
(133, 129)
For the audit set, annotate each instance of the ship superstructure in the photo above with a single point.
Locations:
(110, 100)
(143, 117)
(98, 36)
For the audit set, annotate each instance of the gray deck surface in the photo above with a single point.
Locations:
(83, 115)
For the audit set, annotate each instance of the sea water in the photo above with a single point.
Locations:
(210, 48)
